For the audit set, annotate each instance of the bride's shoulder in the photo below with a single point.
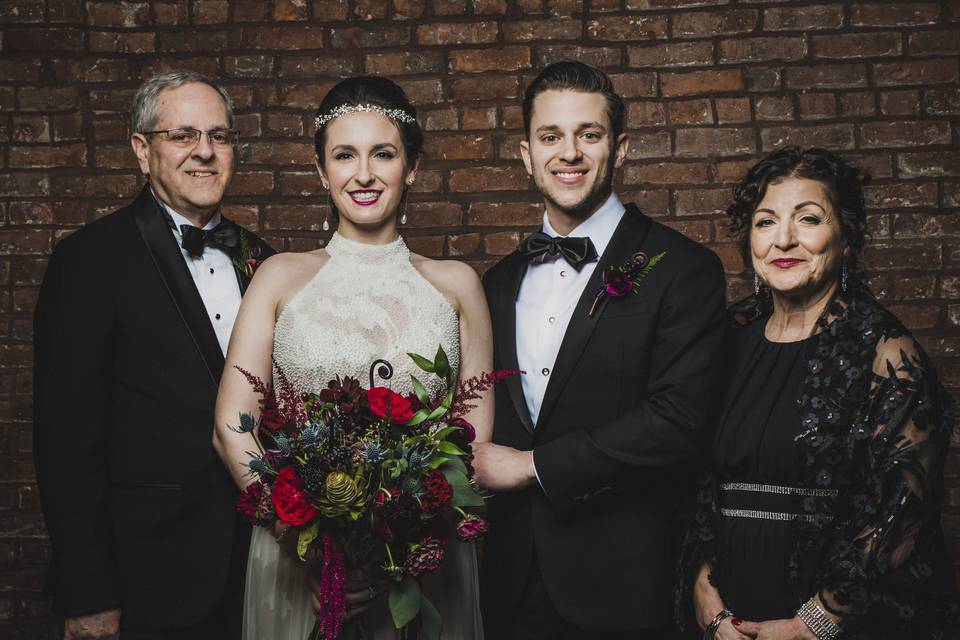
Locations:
(456, 280)
(290, 270)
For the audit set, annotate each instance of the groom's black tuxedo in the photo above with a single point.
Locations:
(623, 415)
(140, 510)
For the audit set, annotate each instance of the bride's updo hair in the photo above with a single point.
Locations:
(385, 96)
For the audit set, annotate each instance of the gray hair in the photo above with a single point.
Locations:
(145, 101)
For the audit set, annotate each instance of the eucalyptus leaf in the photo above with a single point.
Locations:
(405, 599)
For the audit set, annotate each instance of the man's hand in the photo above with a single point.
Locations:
(500, 468)
(104, 625)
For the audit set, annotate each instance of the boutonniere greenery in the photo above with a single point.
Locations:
(249, 258)
(618, 281)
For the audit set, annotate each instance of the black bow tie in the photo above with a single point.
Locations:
(576, 251)
(224, 236)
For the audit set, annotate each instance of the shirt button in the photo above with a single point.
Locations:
(217, 316)
(563, 274)
(545, 371)
(551, 320)
(211, 269)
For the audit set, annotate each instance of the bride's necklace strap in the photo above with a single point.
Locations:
(394, 251)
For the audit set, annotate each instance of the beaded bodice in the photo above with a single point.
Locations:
(367, 302)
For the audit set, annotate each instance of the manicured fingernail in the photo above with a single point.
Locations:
(736, 621)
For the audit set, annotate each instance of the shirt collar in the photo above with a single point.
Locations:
(179, 219)
(599, 227)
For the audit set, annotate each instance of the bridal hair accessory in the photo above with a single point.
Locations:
(394, 114)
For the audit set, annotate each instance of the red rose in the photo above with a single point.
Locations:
(383, 400)
(290, 499)
(249, 501)
(253, 264)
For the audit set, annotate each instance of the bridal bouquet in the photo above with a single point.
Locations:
(365, 475)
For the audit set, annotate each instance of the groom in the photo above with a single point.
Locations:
(617, 322)
(134, 316)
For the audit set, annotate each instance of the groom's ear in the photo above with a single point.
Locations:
(620, 150)
(525, 154)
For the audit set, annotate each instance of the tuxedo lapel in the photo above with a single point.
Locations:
(628, 237)
(176, 277)
(516, 268)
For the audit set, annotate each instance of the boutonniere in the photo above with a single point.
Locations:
(619, 281)
(249, 258)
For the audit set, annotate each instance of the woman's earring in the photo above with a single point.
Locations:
(843, 277)
(326, 224)
(403, 203)
(756, 284)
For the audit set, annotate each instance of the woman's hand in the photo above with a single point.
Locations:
(707, 603)
(728, 630)
(362, 590)
(785, 629)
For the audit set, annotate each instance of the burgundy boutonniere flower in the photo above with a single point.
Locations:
(619, 281)
(616, 282)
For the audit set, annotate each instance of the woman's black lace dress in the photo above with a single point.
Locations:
(855, 422)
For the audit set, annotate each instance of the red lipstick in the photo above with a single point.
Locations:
(786, 263)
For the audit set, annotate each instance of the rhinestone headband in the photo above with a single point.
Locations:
(394, 114)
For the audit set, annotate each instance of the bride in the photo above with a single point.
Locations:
(334, 311)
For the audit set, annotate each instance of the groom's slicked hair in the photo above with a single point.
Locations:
(572, 75)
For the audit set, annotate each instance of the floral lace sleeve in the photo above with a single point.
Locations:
(698, 545)
(884, 554)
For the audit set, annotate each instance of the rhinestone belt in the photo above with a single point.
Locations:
(769, 515)
(773, 488)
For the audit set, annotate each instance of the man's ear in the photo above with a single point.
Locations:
(620, 151)
(141, 148)
(525, 154)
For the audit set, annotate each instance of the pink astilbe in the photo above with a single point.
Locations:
(473, 389)
(333, 590)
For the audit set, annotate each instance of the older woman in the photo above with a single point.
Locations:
(821, 515)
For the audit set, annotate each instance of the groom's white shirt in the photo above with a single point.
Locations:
(547, 298)
(215, 278)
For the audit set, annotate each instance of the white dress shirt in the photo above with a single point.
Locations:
(548, 295)
(215, 277)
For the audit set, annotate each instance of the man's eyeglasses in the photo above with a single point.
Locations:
(188, 137)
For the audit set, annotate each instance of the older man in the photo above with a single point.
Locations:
(131, 327)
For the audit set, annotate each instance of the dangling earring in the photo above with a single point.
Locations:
(332, 213)
(326, 223)
(756, 284)
(843, 277)
(403, 202)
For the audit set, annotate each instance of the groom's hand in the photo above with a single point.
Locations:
(499, 468)
(104, 625)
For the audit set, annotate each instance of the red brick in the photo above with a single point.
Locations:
(634, 85)
(65, 10)
(210, 11)
(671, 54)
(696, 111)
(73, 155)
(646, 113)
(890, 14)
(479, 118)
(441, 33)
(502, 243)
(329, 10)
(154, 65)
(857, 45)
(565, 8)
(671, 4)
(25, 184)
(403, 62)
(29, 213)
(20, 70)
(459, 147)
(449, 7)
(439, 119)
(701, 142)
(297, 217)
(829, 136)
(483, 179)
(953, 11)
(942, 102)
(293, 37)
(900, 103)
(430, 246)
(731, 110)
(484, 88)
(762, 49)
(107, 156)
(304, 96)
(370, 9)
(118, 14)
(530, 6)
(489, 6)
(280, 153)
(701, 82)
(107, 185)
(177, 12)
(92, 70)
(499, 59)
(300, 183)
(504, 214)
(23, 241)
(122, 41)
(7, 99)
(707, 24)
(433, 214)
(827, 76)
(313, 66)
(248, 66)
(649, 144)
(289, 10)
(42, 40)
(633, 27)
(369, 37)
(920, 225)
(551, 29)
(915, 287)
(817, 106)
(22, 12)
(829, 16)
(901, 195)
(288, 125)
(878, 165)
(252, 183)
(420, 92)
(929, 163)
(511, 117)
(666, 173)
(763, 79)
(697, 230)
(917, 316)
(31, 129)
(698, 202)
(857, 104)
(918, 72)
(597, 56)
(730, 256)
(934, 43)
(463, 244)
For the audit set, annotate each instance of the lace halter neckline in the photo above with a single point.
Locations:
(394, 251)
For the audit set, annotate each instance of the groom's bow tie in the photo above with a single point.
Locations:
(224, 236)
(576, 251)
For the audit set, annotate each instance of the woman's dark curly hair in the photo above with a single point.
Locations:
(843, 183)
(378, 91)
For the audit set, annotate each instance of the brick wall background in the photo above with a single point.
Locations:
(711, 84)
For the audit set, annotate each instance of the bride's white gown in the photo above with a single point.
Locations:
(367, 302)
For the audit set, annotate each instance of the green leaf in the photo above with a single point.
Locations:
(420, 390)
(430, 622)
(422, 362)
(453, 461)
(404, 600)
(441, 365)
(307, 536)
(438, 412)
(442, 434)
(449, 447)
(464, 495)
(417, 418)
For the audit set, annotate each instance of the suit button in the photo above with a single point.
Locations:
(545, 371)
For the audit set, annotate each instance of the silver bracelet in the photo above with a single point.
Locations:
(711, 629)
(818, 621)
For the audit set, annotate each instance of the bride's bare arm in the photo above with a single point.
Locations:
(476, 346)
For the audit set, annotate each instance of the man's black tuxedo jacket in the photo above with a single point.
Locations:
(140, 510)
(624, 414)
